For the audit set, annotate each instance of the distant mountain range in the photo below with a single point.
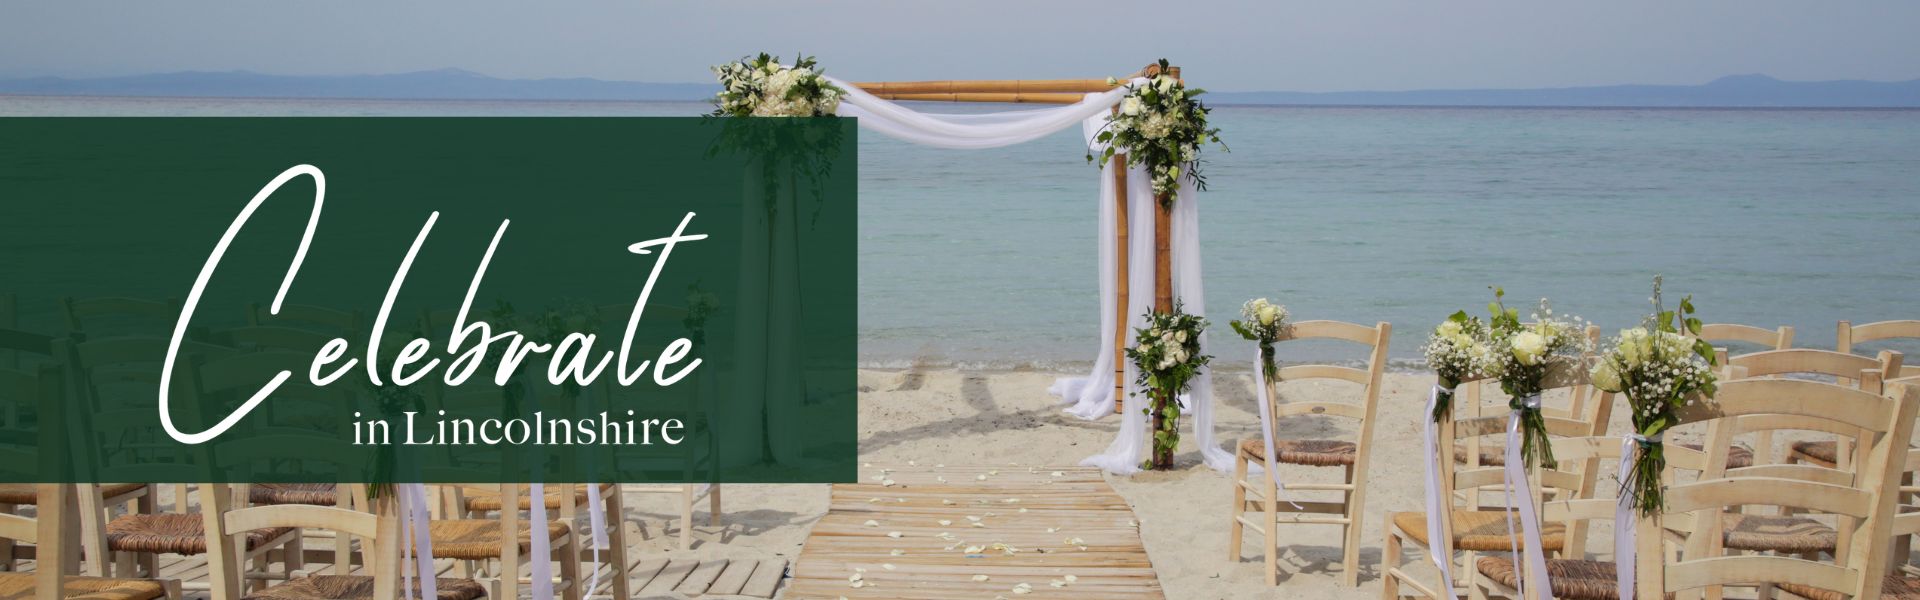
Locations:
(456, 84)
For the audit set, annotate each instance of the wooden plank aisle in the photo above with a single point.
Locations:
(944, 532)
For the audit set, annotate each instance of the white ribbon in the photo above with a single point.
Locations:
(542, 549)
(597, 507)
(1624, 538)
(414, 519)
(1535, 574)
(1266, 427)
(1437, 508)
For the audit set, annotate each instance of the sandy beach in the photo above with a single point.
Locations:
(1002, 418)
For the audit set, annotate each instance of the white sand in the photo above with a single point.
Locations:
(998, 417)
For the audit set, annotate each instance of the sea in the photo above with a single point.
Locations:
(987, 259)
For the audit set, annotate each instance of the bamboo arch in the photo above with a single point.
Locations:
(1069, 91)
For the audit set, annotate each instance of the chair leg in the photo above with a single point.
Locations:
(570, 567)
(620, 570)
(1389, 560)
(686, 517)
(1269, 524)
(713, 505)
(1350, 543)
(6, 546)
(1236, 532)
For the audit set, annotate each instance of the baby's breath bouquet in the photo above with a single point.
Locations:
(1161, 125)
(1660, 368)
(1454, 351)
(1168, 357)
(1265, 322)
(1520, 355)
(762, 87)
(701, 305)
(571, 316)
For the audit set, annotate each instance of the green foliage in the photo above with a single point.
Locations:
(1161, 126)
(1167, 356)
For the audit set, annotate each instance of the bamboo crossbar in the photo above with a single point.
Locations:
(1003, 97)
(988, 86)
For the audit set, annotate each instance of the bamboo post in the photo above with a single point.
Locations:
(1120, 281)
(1162, 303)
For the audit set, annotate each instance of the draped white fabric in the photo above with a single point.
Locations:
(1092, 396)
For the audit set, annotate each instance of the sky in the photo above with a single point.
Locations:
(1226, 46)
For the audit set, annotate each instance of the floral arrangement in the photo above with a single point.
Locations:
(1519, 355)
(1161, 124)
(1168, 357)
(1660, 369)
(556, 323)
(1454, 351)
(701, 305)
(1264, 323)
(762, 87)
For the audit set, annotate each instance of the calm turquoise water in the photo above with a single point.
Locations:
(1789, 217)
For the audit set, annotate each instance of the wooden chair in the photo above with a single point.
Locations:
(147, 536)
(95, 318)
(1861, 501)
(308, 317)
(1844, 368)
(480, 542)
(1863, 504)
(228, 525)
(1722, 335)
(1471, 528)
(50, 532)
(1262, 493)
(30, 388)
(1850, 334)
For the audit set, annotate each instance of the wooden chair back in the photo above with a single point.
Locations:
(1864, 508)
(1850, 334)
(227, 522)
(96, 317)
(307, 317)
(1848, 370)
(1375, 339)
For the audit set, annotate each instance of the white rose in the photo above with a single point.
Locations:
(1132, 106)
(1447, 329)
(1165, 84)
(1180, 337)
(1605, 376)
(1528, 347)
(1269, 314)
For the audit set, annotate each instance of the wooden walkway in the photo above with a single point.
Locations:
(944, 532)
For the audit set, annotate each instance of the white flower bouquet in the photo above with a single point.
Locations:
(1264, 323)
(762, 87)
(1161, 125)
(1454, 351)
(1168, 355)
(1660, 369)
(1520, 355)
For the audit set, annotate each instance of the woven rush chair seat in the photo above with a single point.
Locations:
(479, 539)
(1570, 579)
(173, 533)
(1481, 530)
(1312, 453)
(481, 500)
(1738, 457)
(23, 494)
(1797, 535)
(1825, 454)
(20, 586)
(317, 494)
(356, 587)
(1896, 587)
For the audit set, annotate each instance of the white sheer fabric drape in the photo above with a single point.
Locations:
(1092, 396)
